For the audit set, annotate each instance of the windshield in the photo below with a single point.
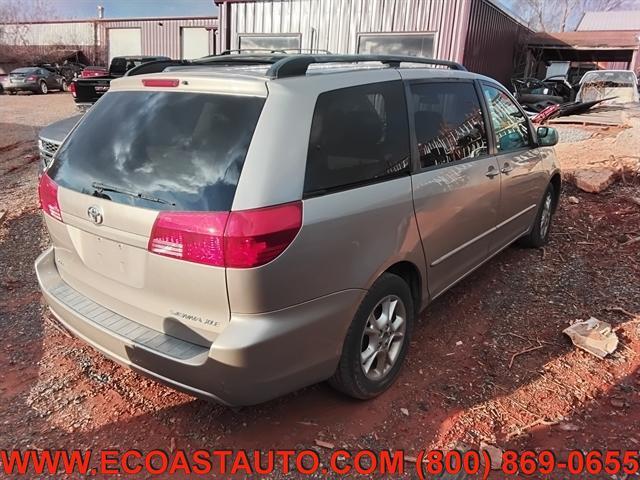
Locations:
(187, 149)
(611, 79)
(558, 69)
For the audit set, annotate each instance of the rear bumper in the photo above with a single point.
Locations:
(256, 358)
(22, 87)
(83, 106)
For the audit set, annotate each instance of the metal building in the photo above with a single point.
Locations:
(171, 37)
(102, 39)
(477, 33)
(609, 39)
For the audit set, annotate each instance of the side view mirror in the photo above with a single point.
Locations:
(547, 136)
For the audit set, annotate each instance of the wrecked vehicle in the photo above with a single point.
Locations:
(560, 85)
(610, 86)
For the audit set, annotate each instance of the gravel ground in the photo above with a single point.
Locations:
(488, 362)
(573, 134)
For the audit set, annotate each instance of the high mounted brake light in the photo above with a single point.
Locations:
(160, 82)
(240, 239)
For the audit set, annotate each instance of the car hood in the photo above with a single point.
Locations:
(56, 132)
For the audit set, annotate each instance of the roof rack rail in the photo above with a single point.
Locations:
(297, 65)
(283, 51)
(250, 50)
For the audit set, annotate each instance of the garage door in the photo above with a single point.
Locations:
(195, 42)
(124, 41)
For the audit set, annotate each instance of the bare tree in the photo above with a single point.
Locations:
(563, 15)
(15, 13)
(15, 32)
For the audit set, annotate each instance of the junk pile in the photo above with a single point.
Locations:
(556, 95)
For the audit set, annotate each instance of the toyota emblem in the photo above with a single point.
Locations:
(95, 214)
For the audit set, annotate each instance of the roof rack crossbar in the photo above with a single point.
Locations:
(297, 65)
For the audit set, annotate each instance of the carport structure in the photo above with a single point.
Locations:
(612, 49)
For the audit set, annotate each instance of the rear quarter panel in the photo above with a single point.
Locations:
(347, 240)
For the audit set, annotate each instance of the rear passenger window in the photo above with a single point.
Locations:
(509, 124)
(448, 121)
(358, 135)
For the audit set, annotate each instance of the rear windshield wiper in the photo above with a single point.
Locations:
(103, 187)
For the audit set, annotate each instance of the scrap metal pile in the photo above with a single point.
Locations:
(566, 91)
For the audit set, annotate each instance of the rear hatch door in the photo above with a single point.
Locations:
(134, 155)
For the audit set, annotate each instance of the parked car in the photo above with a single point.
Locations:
(241, 232)
(34, 79)
(613, 86)
(94, 71)
(86, 91)
(50, 138)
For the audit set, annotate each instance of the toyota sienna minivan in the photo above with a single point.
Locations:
(242, 230)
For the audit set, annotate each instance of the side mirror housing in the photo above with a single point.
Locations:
(547, 136)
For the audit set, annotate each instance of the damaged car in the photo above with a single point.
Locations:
(610, 86)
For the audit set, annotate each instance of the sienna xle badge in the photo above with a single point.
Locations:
(239, 232)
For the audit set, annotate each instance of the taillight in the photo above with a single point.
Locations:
(255, 237)
(160, 82)
(241, 239)
(72, 88)
(192, 236)
(48, 193)
(31, 78)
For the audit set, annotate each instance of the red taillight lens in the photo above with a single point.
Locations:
(31, 78)
(72, 88)
(255, 237)
(160, 82)
(48, 193)
(192, 236)
(241, 239)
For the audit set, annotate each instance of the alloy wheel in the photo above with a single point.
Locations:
(545, 217)
(383, 337)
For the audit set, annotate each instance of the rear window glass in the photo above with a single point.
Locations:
(160, 150)
(358, 135)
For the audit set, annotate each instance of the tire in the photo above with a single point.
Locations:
(11, 92)
(539, 235)
(43, 88)
(350, 376)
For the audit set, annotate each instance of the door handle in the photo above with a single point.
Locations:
(506, 168)
(492, 172)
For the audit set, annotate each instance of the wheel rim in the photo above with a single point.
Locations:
(383, 337)
(43, 87)
(545, 217)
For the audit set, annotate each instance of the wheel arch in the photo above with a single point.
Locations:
(556, 181)
(410, 273)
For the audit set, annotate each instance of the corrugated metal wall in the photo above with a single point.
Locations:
(58, 33)
(334, 25)
(160, 36)
(495, 43)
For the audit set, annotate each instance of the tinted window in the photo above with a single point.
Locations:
(448, 121)
(509, 123)
(417, 45)
(184, 148)
(359, 134)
